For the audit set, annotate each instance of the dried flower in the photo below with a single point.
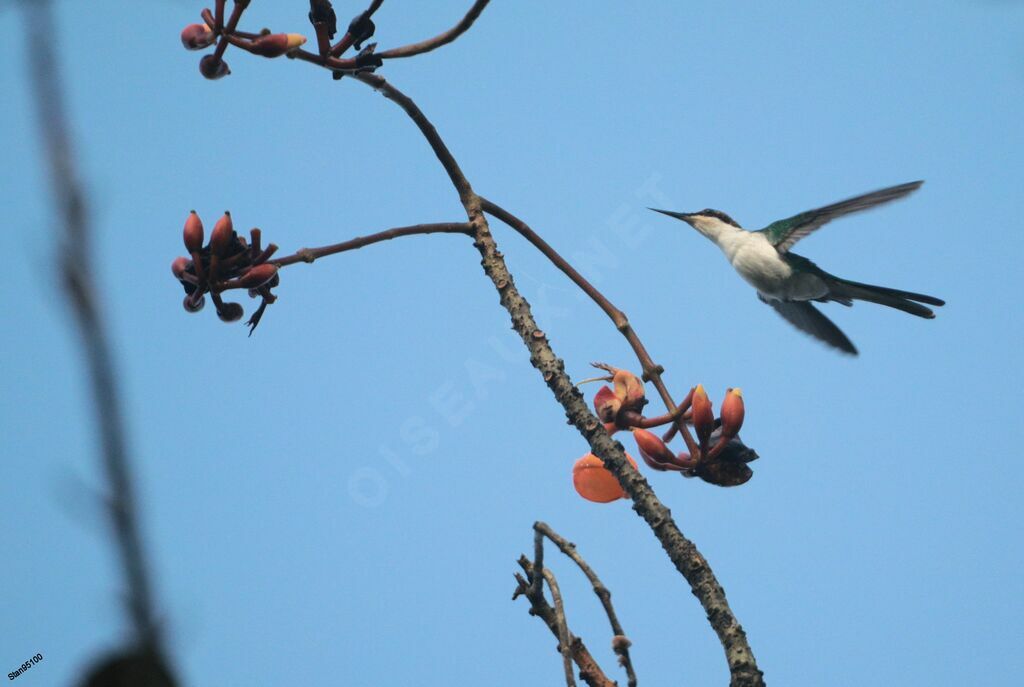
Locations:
(735, 450)
(194, 305)
(321, 12)
(230, 312)
(724, 473)
(213, 67)
(629, 389)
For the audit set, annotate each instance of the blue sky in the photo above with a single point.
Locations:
(342, 497)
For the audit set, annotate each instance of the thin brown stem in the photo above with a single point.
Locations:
(211, 21)
(470, 201)
(232, 24)
(333, 63)
(440, 39)
(323, 43)
(621, 646)
(311, 254)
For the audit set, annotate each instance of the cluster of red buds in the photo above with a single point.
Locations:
(221, 31)
(226, 262)
(717, 456)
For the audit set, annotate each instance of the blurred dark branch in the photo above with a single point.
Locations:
(74, 256)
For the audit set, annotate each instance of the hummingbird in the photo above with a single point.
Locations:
(789, 282)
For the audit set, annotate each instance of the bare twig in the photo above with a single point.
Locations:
(311, 254)
(619, 643)
(564, 636)
(74, 255)
(590, 671)
(538, 562)
(439, 40)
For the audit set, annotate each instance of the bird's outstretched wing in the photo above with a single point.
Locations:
(805, 317)
(786, 232)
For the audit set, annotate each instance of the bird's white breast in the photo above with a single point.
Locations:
(756, 260)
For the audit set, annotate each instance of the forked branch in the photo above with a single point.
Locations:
(684, 555)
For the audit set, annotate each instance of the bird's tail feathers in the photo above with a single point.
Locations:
(894, 298)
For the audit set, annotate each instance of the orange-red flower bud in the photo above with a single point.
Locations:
(594, 482)
(213, 67)
(197, 37)
(652, 448)
(629, 389)
(193, 233)
(223, 232)
(276, 44)
(606, 404)
(703, 415)
(732, 413)
(178, 267)
(258, 276)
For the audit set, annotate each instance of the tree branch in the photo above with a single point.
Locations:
(590, 671)
(439, 40)
(684, 555)
(564, 636)
(620, 644)
(311, 254)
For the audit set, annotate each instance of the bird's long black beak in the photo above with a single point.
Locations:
(685, 216)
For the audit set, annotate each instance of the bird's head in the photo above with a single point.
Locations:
(710, 223)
